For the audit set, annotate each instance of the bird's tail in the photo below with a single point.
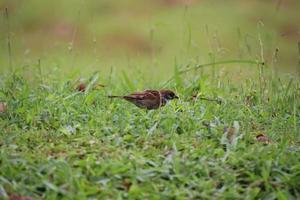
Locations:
(114, 96)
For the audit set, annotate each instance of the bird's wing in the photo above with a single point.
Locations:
(155, 93)
(147, 94)
(149, 99)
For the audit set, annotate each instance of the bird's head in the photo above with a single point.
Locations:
(168, 94)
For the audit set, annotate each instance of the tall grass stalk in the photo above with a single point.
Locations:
(274, 74)
(74, 35)
(200, 66)
(262, 60)
(8, 40)
(299, 58)
(40, 71)
(295, 113)
(211, 54)
(239, 43)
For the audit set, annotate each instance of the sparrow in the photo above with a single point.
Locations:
(149, 99)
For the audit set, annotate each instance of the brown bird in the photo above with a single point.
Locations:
(149, 99)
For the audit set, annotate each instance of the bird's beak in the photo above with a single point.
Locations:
(176, 97)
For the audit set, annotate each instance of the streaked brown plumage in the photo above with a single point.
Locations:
(149, 99)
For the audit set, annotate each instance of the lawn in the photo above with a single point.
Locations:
(232, 134)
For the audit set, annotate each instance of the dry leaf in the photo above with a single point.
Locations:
(263, 138)
(97, 86)
(230, 134)
(18, 197)
(127, 184)
(2, 107)
(251, 99)
(81, 87)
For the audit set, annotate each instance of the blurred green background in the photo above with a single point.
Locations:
(148, 37)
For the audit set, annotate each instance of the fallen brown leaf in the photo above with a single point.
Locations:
(127, 184)
(2, 107)
(251, 99)
(232, 132)
(97, 86)
(18, 197)
(263, 138)
(81, 87)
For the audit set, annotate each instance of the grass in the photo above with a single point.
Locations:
(59, 143)
(151, 37)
